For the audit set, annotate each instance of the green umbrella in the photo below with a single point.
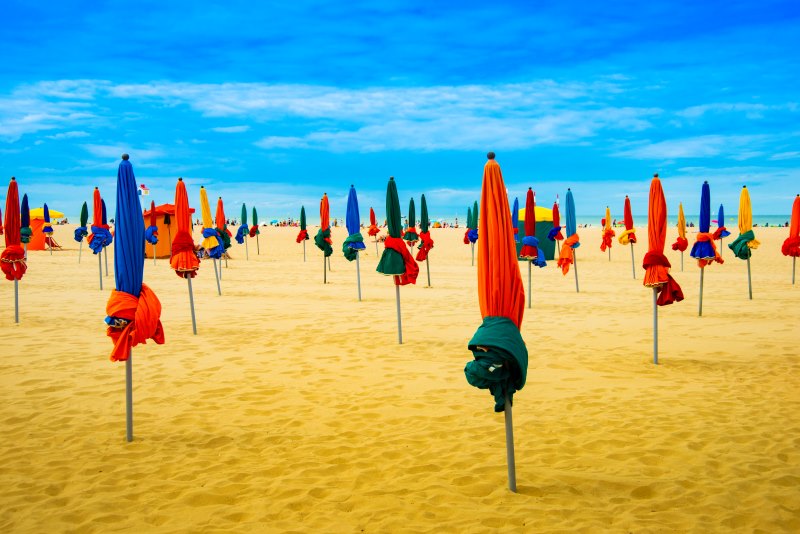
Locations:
(475, 215)
(469, 219)
(302, 236)
(396, 261)
(81, 232)
(254, 231)
(426, 243)
(411, 234)
(243, 231)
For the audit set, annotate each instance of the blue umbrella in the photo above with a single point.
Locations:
(25, 231)
(354, 241)
(721, 231)
(515, 219)
(104, 221)
(133, 308)
(47, 230)
(572, 230)
(703, 249)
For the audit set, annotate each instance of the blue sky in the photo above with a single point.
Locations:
(273, 105)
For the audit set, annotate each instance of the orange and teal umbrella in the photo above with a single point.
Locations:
(791, 246)
(743, 245)
(500, 357)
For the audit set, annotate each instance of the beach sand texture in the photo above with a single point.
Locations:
(295, 410)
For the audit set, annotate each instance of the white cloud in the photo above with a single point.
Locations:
(231, 129)
(68, 135)
(705, 146)
(115, 151)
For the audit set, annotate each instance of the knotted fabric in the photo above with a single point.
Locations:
(302, 236)
(657, 275)
(425, 246)
(608, 239)
(99, 238)
(742, 246)
(554, 234)
(466, 237)
(352, 245)
(133, 321)
(80, 233)
(183, 258)
(531, 251)
(627, 237)
(566, 257)
(12, 262)
(472, 235)
(373, 230)
(213, 250)
(323, 241)
(254, 230)
(680, 244)
(410, 236)
(412, 270)
(791, 247)
(705, 251)
(721, 232)
(241, 233)
(151, 235)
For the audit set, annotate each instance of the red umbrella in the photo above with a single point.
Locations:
(628, 237)
(373, 228)
(555, 233)
(12, 259)
(791, 247)
(183, 258)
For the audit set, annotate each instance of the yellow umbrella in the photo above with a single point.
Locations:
(38, 213)
(211, 240)
(681, 244)
(608, 234)
(742, 246)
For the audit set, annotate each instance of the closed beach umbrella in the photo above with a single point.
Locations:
(254, 231)
(704, 250)
(469, 222)
(222, 225)
(681, 244)
(47, 230)
(302, 236)
(373, 228)
(555, 232)
(133, 310)
(530, 243)
(567, 255)
(426, 243)
(396, 261)
(323, 238)
(82, 231)
(791, 246)
(411, 237)
(473, 234)
(515, 219)
(628, 237)
(25, 232)
(743, 245)
(243, 231)
(721, 232)
(500, 357)
(355, 241)
(151, 232)
(665, 289)
(101, 234)
(12, 259)
(183, 258)
(212, 243)
(608, 234)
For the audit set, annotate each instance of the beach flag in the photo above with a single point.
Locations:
(12, 259)
(530, 251)
(555, 232)
(704, 250)
(628, 237)
(212, 242)
(743, 245)
(396, 261)
(567, 255)
(721, 232)
(791, 246)
(515, 219)
(410, 236)
(665, 289)
(426, 243)
(255, 232)
(133, 310)
(608, 234)
(355, 241)
(183, 258)
(681, 244)
(500, 361)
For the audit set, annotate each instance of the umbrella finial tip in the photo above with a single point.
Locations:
(744, 187)
(655, 175)
(125, 157)
(391, 177)
(180, 179)
(13, 179)
(490, 155)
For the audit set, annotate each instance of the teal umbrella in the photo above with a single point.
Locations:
(302, 236)
(411, 233)
(254, 231)
(426, 243)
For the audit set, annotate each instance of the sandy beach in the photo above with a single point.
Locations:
(295, 410)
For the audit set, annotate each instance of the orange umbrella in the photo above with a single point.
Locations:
(665, 289)
(323, 238)
(608, 234)
(101, 234)
(12, 259)
(501, 358)
(183, 258)
(373, 228)
(791, 247)
(628, 237)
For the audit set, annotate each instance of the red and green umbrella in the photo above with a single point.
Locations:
(12, 259)
(396, 261)
(302, 235)
(254, 231)
(469, 222)
(426, 243)
(411, 237)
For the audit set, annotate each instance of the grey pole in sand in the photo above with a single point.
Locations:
(324, 269)
(575, 268)
(191, 304)
(749, 281)
(16, 300)
(26, 251)
(473, 254)
(154, 253)
(246, 252)
(794, 265)
(100, 267)
(329, 264)
(529, 284)
(702, 271)
(105, 255)
(258, 247)
(399, 323)
(216, 277)
(376, 247)
(681, 261)
(609, 253)
(633, 263)
(304, 251)
(358, 275)
(428, 268)
(655, 325)
(129, 396)
(512, 466)
(720, 247)
(80, 251)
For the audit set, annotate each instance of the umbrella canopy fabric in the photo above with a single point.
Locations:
(38, 213)
(373, 224)
(515, 219)
(530, 243)
(303, 234)
(183, 259)
(354, 241)
(791, 246)
(704, 250)
(608, 232)
(411, 237)
(25, 232)
(81, 231)
(254, 231)
(500, 357)
(721, 231)
(469, 222)
(133, 310)
(743, 245)
(472, 234)
(243, 230)
(566, 257)
(12, 259)
(657, 265)
(681, 243)
(555, 233)
(222, 225)
(151, 232)
(629, 235)
(212, 242)
(1, 222)
(101, 234)
(426, 243)
(47, 229)
(396, 261)
(323, 238)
